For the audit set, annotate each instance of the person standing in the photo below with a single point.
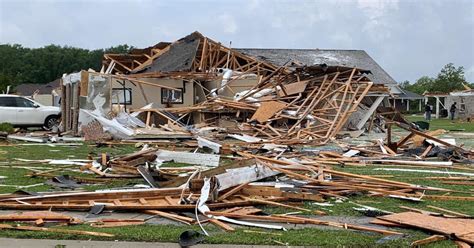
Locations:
(452, 110)
(427, 112)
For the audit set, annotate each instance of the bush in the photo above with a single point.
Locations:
(6, 127)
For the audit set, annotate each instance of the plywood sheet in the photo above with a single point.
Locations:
(267, 110)
(461, 228)
(291, 89)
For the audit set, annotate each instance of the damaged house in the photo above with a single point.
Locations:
(296, 94)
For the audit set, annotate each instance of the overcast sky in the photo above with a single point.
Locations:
(408, 38)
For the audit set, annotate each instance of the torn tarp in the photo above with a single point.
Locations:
(115, 128)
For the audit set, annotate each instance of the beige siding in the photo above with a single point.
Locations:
(467, 112)
(153, 93)
(44, 99)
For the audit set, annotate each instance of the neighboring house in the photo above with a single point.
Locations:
(402, 101)
(464, 102)
(46, 94)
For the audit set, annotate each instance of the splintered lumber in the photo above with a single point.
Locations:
(421, 211)
(267, 110)
(428, 240)
(175, 217)
(449, 211)
(276, 204)
(45, 216)
(139, 203)
(461, 244)
(384, 223)
(56, 230)
(427, 136)
(302, 220)
(98, 195)
(232, 191)
(102, 223)
(462, 229)
(222, 225)
(459, 183)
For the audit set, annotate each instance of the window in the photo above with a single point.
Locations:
(8, 101)
(171, 96)
(462, 107)
(24, 103)
(122, 96)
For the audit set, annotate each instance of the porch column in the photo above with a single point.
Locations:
(408, 105)
(437, 107)
(419, 107)
(369, 112)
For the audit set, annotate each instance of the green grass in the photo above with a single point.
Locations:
(293, 237)
(16, 175)
(446, 124)
(306, 236)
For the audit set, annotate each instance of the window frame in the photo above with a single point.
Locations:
(121, 92)
(165, 102)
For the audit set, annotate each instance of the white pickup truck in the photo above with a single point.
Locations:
(21, 111)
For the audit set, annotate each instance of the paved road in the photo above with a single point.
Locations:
(46, 243)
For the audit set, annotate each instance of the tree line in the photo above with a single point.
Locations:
(20, 65)
(450, 78)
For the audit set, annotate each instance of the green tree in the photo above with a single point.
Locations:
(20, 65)
(449, 79)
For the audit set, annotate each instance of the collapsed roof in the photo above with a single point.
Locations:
(331, 57)
(198, 53)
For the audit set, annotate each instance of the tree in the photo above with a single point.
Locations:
(20, 65)
(449, 79)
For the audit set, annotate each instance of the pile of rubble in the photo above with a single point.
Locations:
(224, 186)
(274, 143)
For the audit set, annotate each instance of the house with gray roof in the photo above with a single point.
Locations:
(46, 94)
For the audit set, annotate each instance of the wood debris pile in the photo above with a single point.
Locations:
(227, 194)
(309, 105)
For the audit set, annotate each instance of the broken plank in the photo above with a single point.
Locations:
(56, 230)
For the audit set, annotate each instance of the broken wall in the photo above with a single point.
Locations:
(464, 103)
(98, 94)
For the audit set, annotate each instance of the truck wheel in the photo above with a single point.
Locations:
(50, 122)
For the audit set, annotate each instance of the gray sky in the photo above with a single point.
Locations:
(408, 38)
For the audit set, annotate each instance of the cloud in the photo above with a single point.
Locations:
(228, 23)
(378, 25)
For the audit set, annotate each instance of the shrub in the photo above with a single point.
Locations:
(6, 127)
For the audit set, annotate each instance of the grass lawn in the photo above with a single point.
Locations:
(164, 233)
(446, 124)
